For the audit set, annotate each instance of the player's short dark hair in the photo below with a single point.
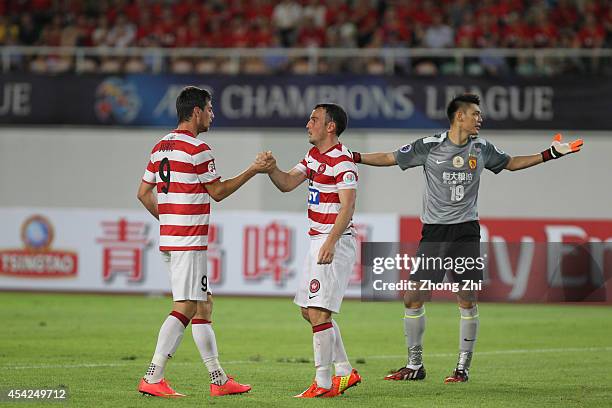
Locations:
(460, 102)
(335, 113)
(189, 98)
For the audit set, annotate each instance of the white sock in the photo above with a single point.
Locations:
(168, 340)
(205, 340)
(341, 364)
(323, 340)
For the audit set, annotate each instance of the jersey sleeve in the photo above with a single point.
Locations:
(411, 155)
(149, 174)
(204, 163)
(495, 159)
(301, 166)
(346, 175)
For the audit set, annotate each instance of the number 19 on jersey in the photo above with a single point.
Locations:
(457, 192)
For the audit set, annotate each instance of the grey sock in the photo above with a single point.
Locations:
(414, 328)
(468, 332)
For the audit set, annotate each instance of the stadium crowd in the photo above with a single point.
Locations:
(484, 24)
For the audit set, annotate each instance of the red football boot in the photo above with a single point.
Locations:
(407, 374)
(230, 387)
(314, 391)
(160, 389)
(343, 383)
(457, 376)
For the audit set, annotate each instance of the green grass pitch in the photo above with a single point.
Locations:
(100, 346)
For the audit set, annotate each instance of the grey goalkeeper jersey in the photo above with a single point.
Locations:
(452, 175)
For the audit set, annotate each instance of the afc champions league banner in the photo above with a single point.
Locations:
(262, 254)
(382, 102)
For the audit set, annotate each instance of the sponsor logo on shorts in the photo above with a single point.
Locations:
(315, 285)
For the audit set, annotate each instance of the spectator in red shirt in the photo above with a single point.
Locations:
(489, 31)
(256, 9)
(607, 24)
(309, 35)
(52, 33)
(515, 34)
(194, 31)
(145, 27)
(543, 32)
(394, 29)
(261, 34)
(592, 35)
(468, 31)
(182, 9)
(565, 14)
(238, 34)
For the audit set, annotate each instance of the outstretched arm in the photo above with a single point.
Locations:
(523, 162)
(555, 151)
(286, 181)
(219, 190)
(375, 159)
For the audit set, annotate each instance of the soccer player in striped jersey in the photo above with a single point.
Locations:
(182, 172)
(332, 190)
(452, 164)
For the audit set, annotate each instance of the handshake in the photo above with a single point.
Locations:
(264, 163)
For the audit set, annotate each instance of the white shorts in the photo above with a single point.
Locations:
(324, 285)
(188, 274)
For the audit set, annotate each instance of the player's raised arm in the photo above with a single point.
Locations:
(220, 190)
(555, 151)
(408, 156)
(375, 159)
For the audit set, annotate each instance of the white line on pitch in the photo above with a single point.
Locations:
(479, 353)
(497, 352)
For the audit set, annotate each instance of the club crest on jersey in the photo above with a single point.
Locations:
(405, 148)
(349, 178)
(321, 168)
(472, 162)
(315, 285)
(314, 196)
(458, 162)
(211, 167)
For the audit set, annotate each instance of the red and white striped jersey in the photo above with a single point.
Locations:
(181, 165)
(327, 173)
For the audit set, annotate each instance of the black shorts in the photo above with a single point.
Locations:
(450, 248)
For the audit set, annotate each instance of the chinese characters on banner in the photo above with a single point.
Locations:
(123, 244)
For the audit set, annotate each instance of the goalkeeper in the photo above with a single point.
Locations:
(452, 164)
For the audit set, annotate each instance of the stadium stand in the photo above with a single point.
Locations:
(485, 25)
